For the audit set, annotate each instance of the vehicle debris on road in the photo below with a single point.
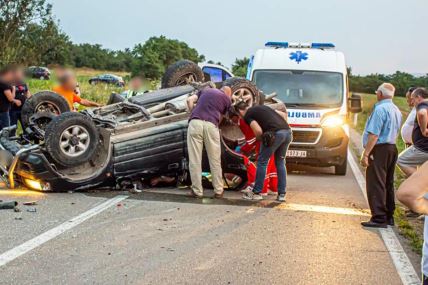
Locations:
(8, 205)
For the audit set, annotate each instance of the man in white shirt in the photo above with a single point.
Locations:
(409, 124)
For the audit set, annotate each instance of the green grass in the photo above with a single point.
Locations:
(409, 228)
(98, 93)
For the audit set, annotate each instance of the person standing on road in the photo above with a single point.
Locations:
(270, 127)
(7, 94)
(207, 108)
(417, 154)
(413, 193)
(380, 156)
(409, 124)
(69, 89)
(22, 93)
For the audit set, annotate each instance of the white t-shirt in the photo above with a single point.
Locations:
(407, 129)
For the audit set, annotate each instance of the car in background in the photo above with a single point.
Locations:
(38, 72)
(107, 79)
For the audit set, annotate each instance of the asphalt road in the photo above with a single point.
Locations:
(162, 237)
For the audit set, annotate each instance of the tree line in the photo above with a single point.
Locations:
(30, 35)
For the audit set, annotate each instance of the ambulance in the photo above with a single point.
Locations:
(312, 80)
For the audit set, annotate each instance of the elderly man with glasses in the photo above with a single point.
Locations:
(380, 156)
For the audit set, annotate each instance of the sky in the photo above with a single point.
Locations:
(377, 36)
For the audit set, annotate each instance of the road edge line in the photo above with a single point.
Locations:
(31, 244)
(401, 261)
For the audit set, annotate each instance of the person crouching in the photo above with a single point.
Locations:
(271, 128)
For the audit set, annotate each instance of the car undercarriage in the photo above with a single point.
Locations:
(119, 144)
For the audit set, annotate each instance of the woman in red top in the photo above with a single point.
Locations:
(252, 145)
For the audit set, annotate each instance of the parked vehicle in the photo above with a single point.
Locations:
(107, 79)
(38, 72)
(119, 143)
(312, 81)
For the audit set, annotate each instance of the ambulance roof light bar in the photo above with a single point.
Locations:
(300, 45)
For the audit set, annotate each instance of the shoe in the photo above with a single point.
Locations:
(252, 196)
(390, 221)
(248, 189)
(218, 196)
(194, 195)
(371, 224)
(281, 198)
(264, 194)
(270, 192)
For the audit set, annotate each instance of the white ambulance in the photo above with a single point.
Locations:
(312, 81)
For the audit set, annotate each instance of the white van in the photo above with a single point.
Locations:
(312, 81)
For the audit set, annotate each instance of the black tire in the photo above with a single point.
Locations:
(182, 73)
(55, 134)
(340, 170)
(44, 101)
(237, 84)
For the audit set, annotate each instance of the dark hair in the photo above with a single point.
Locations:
(411, 89)
(420, 92)
(6, 68)
(240, 106)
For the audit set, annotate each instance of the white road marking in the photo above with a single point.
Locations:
(27, 246)
(322, 209)
(399, 257)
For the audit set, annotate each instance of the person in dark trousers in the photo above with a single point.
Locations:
(271, 128)
(22, 93)
(7, 94)
(380, 157)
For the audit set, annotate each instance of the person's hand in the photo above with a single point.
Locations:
(18, 103)
(364, 160)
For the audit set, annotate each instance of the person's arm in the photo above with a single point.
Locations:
(89, 103)
(371, 142)
(283, 115)
(412, 191)
(10, 95)
(191, 100)
(423, 121)
(257, 130)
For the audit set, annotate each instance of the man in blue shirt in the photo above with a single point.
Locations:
(380, 156)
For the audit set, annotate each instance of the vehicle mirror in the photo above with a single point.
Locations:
(355, 104)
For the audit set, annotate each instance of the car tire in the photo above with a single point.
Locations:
(243, 89)
(181, 73)
(44, 101)
(340, 170)
(71, 139)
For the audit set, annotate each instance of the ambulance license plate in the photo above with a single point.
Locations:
(296, 153)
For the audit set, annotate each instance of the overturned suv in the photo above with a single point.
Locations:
(120, 143)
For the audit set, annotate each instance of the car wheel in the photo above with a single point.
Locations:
(181, 73)
(341, 169)
(244, 90)
(48, 103)
(42, 77)
(92, 82)
(71, 139)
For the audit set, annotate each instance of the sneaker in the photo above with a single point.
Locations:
(270, 192)
(264, 194)
(252, 196)
(281, 198)
(248, 189)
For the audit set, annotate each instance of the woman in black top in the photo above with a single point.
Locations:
(22, 93)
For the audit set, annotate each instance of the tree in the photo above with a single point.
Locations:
(239, 68)
(156, 54)
(29, 34)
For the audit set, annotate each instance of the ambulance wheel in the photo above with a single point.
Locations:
(71, 139)
(341, 169)
(181, 73)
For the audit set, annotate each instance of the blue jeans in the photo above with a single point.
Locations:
(4, 120)
(279, 148)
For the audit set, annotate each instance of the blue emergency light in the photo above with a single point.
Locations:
(287, 45)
